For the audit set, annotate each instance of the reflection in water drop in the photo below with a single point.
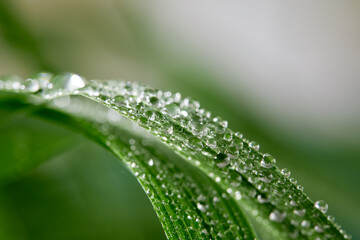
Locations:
(68, 82)
(321, 205)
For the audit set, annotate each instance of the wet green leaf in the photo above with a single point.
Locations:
(204, 180)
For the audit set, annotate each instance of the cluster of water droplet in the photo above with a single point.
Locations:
(169, 186)
(232, 161)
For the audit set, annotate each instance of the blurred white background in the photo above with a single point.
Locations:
(299, 61)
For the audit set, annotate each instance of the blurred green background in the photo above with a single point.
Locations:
(285, 74)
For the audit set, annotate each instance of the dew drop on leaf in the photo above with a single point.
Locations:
(305, 224)
(286, 172)
(318, 229)
(277, 216)
(321, 205)
(43, 78)
(300, 212)
(331, 218)
(221, 160)
(254, 145)
(238, 195)
(68, 81)
(195, 143)
(211, 142)
(293, 180)
(201, 207)
(172, 109)
(32, 85)
(228, 136)
(267, 161)
(168, 128)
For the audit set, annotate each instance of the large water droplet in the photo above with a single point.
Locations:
(68, 82)
(267, 161)
(286, 172)
(221, 160)
(172, 109)
(195, 143)
(321, 205)
(32, 85)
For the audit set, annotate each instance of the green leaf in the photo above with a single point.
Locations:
(204, 181)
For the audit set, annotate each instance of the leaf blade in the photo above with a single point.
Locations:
(231, 161)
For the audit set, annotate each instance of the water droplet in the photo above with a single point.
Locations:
(195, 143)
(211, 142)
(150, 115)
(262, 199)
(318, 229)
(321, 205)
(43, 78)
(238, 195)
(228, 136)
(305, 224)
(300, 212)
(347, 236)
(277, 216)
(201, 207)
(234, 178)
(32, 85)
(151, 162)
(286, 172)
(12, 82)
(172, 109)
(223, 123)
(267, 161)
(254, 145)
(184, 113)
(68, 81)
(221, 160)
(168, 128)
(293, 181)
(331, 218)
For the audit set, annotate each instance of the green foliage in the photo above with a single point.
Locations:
(204, 180)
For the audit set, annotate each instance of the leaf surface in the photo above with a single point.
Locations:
(204, 180)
